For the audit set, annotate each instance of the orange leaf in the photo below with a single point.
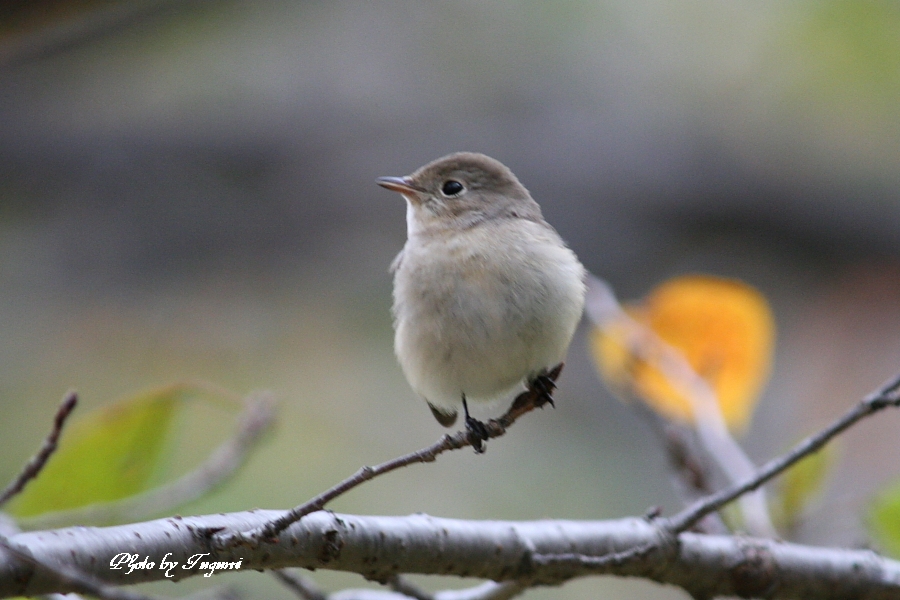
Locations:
(723, 328)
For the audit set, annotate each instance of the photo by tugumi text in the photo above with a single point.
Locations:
(133, 562)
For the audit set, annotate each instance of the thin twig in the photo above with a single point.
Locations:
(253, 422)
(886, 396)
(37, 462)
(524, 403)
(300, 585)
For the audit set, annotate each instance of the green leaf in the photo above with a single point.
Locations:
(801, 484)
(884, 520)
(110, 454)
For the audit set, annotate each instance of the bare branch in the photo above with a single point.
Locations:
(255, 420)
(505, 551)
(300, 585)
(37, 462)
(886, 396)
(524, 403)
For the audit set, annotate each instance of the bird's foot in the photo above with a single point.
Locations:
(538, 393)
(543, 386)
(476, 431)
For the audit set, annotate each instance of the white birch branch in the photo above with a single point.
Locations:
(380, 547)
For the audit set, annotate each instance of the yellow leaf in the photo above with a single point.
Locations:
(723, 328)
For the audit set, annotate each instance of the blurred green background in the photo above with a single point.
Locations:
(187, 192)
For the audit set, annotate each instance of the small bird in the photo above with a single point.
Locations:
(487, 296)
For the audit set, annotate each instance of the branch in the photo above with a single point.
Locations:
(504, 551)
(886, 396)
(300, 585)
(524, 403)
(668, 528)
(37, 462)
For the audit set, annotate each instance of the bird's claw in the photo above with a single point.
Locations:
(544, 387)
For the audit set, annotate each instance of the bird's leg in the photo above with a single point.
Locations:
(476, 431)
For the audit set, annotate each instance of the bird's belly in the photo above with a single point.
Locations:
(480, 333)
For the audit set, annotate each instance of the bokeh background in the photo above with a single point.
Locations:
(187, 192)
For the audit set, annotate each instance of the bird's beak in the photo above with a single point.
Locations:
(399, 184)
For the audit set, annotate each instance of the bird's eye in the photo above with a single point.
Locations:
(452, 188)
